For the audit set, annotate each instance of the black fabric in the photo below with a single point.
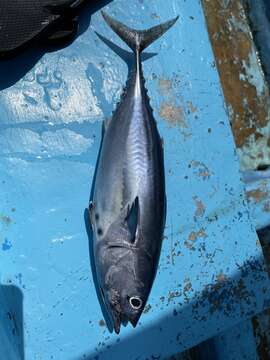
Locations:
(24, 20)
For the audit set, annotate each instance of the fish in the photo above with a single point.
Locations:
(128, 206)
(25, 21)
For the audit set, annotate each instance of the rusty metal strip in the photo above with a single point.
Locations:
(247, 97)
(244, 86)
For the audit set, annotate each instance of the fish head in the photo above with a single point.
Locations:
(128, 269)
(133, 300)
(125, 296)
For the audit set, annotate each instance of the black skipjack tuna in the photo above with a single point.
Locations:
(128, 207)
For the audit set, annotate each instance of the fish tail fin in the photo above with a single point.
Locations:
(138, 40)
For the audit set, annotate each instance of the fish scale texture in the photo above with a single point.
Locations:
(21, 20)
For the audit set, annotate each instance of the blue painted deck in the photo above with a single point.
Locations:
(258, 194)
(211, 274)
(236, 344)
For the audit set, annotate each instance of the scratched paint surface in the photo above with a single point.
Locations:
(237, 343)
(245, 88)
(211, 273)
(258, 12)
(258, 194)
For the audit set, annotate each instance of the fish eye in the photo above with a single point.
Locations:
(135, 302)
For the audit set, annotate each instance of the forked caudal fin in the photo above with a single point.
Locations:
(138, 40)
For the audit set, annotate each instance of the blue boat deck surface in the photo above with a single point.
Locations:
(211, 274)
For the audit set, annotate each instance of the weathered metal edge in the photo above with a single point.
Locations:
(244, 85)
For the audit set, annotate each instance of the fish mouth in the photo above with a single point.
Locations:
(121, 319)
(116, 318)
(134, 321)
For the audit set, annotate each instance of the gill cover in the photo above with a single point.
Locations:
(24, 20)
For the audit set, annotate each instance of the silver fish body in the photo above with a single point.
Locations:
(128, 208)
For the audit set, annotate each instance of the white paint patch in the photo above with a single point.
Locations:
(48, 144)
(62, 238)
(253, 73)
(47, 93)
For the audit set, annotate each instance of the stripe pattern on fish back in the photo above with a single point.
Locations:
(136, 152)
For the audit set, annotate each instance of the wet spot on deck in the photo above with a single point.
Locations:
(102, 323)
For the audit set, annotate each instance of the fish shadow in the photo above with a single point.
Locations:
(11, 329)
(90, 235)
(16, 67)
(94, 272)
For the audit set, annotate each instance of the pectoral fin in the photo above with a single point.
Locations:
(91, 213)
(132, 219)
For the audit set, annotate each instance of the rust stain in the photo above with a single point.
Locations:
(257, 195)
(200, 207)
(203, 170)
(189, 245)
(173, 114)
(195, 235)
(233, 47)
